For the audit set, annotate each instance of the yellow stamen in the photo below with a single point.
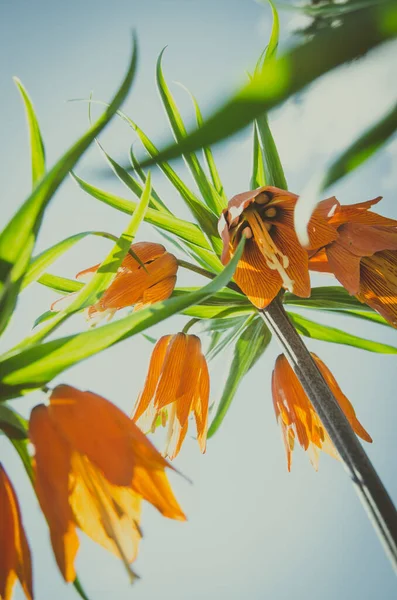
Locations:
(275, 259)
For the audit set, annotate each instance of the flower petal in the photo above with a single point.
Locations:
(15, 558)
(378, 284)
(189, 379)
(171, 372)
(52, 469)
(97, 428)
(345, 266)
(155, 488)
(343, 402)
(254, 277)
(152, 378)
(286, 240)
(200, 406)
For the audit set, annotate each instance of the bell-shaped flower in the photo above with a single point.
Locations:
(364, 256)
(177, 384)
(273, 257)
(297, 416)
(135, 284)
(93, 467)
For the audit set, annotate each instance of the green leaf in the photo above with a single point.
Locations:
(353, 157)
(60, 284)
(325, 333)
(272, 168)
(258, 178)
(131, 183)
(293, 71)
(182, 229)
(37, 365)
(37, 151)
(248, 349)
(103, 277)
(13, 424)
(42, 261)
(327, 297)
(206, 189)
(18, 238)
(206, 218)
(223, 341)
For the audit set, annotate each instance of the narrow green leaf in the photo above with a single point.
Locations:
(325, 333)
(42, 261)
(60, 284)
(274, 35)
(327, 297)
(228, 336)
(18, 238)
(35, 366)
(208, 192)
(182, 229)
(258, 178)
(37, 152)
(290, 73)
(103, 277)
(131, 183)
(206, 218)
(217, 201)
(12, 423)
(248, 349)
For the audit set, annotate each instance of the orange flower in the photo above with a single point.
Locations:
(364, 256)
(177, 384)
(93, 467)
(15, 560)
(297, 417)
(133, 284)
(273, 257)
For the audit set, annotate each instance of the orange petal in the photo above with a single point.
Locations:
(171, 373)
(176, 438)
(86, 275)
(319, 262)
(343, 402)
(355, 212)
(15, 558)
(254, 277)
(345, 266)
(157, 292)
(155, 488)
(97, 428)
(152, 378)
(189, 380)
(378, 285)
(52, 468)
(365, 240)
(298, 270)
(145, 251)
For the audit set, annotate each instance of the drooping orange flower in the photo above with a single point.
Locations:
(273, 257)
(364, 256)
(133, 285)
(297, 417)
(177, 384)
(15, 559)
(93, 466)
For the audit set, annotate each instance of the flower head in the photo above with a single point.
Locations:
(134, 284)
(177, 384)
(364, 256)
(297, 417)
(15, 559)
(273, 257)
(93, 467)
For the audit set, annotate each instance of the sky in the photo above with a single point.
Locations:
(253, 529)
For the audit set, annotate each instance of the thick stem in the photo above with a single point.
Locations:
(370, 488)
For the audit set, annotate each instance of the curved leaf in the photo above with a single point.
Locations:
(35, 366)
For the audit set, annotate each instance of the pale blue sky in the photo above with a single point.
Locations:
(254, 530)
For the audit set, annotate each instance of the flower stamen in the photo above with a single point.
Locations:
(275, 259)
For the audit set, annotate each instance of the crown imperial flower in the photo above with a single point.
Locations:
(297, 416)
(273, 257)
(177, 384)
(93, 467)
